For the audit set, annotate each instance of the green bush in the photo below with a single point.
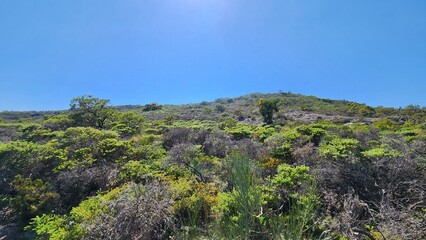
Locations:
(385, 124)
(55, 227)
(127, 123)
(194, 204)
(74, 225)
(290, 178)
(84, 146)
(263, 132)
(240, 131)
(340, 148)
(58, 122)
(20, 157)
(136, 171)
(113, 150)
(280, 146)
(33, 196)
(382, 151)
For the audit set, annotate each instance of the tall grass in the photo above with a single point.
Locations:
(239, 218)
(241, 213)
(296, 224)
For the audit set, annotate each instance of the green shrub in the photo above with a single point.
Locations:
(290, 178)
(385, 124)
(382, 151)
(240, 131)
(194, 204)
(263, 132)
(113, 150)
(127, 123)
(58, 122)
(280, 146)
(55, 227)
(149, 152)
(74, 225)
(33, 196)
(340, 148)
(20, 157)
(84, 146)
(228, 123)
(79, 137)
(313, 132)
(136, 171)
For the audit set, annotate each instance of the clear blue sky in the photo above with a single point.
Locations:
(182, 51)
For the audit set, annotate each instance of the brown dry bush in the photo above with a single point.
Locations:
(387, 194)
(175, 136)
(142, 212)
(217, 144)
(74, 186)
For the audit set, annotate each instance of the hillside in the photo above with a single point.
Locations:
(295, 106)
(259, 166)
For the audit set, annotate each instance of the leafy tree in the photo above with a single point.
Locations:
(267, 107)
(88, 111)
(152, 107)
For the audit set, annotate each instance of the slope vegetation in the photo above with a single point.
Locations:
(320, 169)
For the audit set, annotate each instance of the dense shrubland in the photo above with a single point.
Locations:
(214, 171)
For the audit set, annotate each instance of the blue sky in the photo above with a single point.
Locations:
(183, 51)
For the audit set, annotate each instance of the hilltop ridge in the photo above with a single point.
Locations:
(293, 106)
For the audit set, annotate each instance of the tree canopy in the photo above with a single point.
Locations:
(267, 107)
(88, 111)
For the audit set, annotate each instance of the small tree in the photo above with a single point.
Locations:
(267, 107)
(88, 111)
